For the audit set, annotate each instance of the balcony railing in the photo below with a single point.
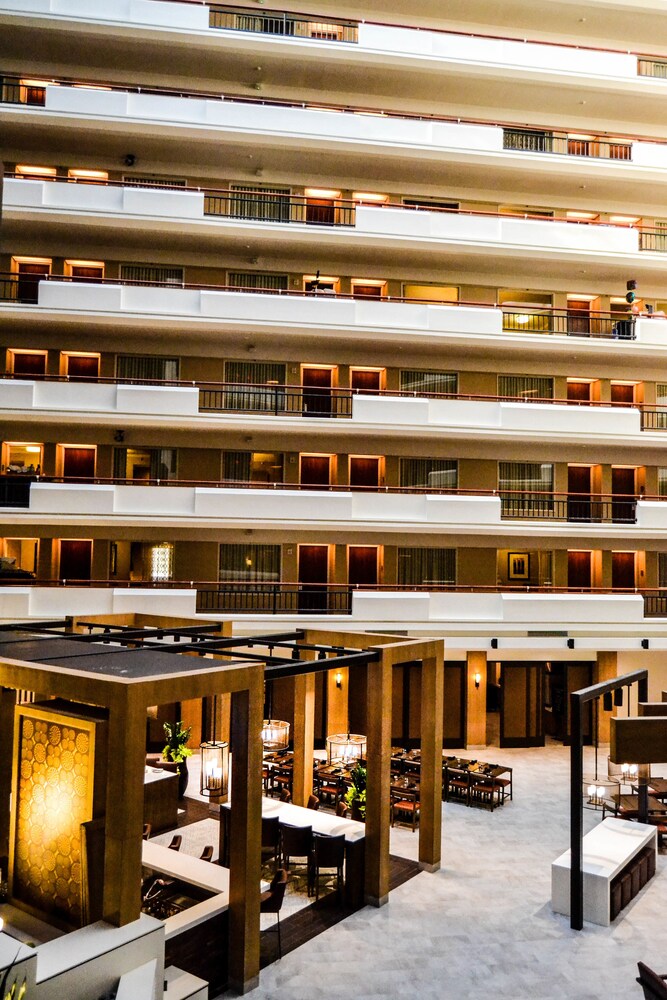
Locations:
(652, 67)
(15, 491)
(274, 206)
(569, 323)
(537, 141)
(571, 507)
(275, 22)
(276, 598)
(279, 399)
(653, 239)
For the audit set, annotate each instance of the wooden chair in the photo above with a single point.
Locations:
(313, 802)
(281, 777)
(147, 831)
(207, 853)
(285, 795)
(295, 842)
(271, 901)
(653, 985)
(342, 809)
(271, 839)
(331, 788)
(328, 854)
(176, 842)
(403, 802)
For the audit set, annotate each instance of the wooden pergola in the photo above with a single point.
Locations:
(128, 669)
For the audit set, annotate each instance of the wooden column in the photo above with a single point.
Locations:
(124, 807)
(337, 714)
(476, 699)
(7, 706)
(304, 738)
(245, 835)
(605, 669)
(378, 754)
(430, 795)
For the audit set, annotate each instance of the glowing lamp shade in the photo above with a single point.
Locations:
(346, 747)
(275, 735)
(214, 779)
(597, 790)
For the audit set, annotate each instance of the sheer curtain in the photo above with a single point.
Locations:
(429, 382)
(525, 387)
(530, 479)
(260, 563)
(255, 374)
(429, 473)
(154, 369)
(421, 567)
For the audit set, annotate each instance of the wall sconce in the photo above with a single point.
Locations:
(607, 701)
(618, 696)
(644, 643)
(494, 644)
(339, 679)
(478, 678)
(570, 643)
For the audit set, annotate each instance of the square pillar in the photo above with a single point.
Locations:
(378, 755)
(7, 706)
(476, 699)
(245, 835)
(606, 668)
(304, 738)
(124, 808)
(430, 794)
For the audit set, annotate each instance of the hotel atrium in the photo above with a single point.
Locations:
(338, 321)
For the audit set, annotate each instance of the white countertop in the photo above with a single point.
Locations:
(609, 846)
(157, 774)
(321, 822)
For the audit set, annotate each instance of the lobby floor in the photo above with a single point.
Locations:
(483, 924)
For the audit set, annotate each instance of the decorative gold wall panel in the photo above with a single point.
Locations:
(53, 796)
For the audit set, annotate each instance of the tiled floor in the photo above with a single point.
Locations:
(483, 925)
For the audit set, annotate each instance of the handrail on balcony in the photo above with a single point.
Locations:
(320, 27)
(12, 92)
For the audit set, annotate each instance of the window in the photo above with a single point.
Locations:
(151, 274)
(526, 482)
(144, 463)
(423, 567)
(662, 569)
(22, 458)
(428, 473)
(252, 466)
(18, 556)
(662, 482)
(161, 561)
(269, 282)
(525, 387)
(426, 383)
(260, 563)
(147, 368)
(265, 380)
(265, 204)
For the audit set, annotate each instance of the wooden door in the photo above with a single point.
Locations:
(315, 470)
(87, 272)
(29, 276)
(521, 698)
(623, 570)
(78, 463)
(578, 318)
(317, 397)
(313, 575)
(365, 381)
(579, 492)
(83, 366)
(364, 471)
(579, 392)
(75, 559)
(367, 291)
(320, 211)
(362, 565)
(624, 394)
(623, 492)
(29, 363)
(579, 568)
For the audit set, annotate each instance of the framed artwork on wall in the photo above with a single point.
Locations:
(518, 565)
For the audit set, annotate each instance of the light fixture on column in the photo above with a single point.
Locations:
(597, 789)
(214, 776)
(607, 701)
(275, 735)
(618, 696)
(339, 679)
(349, 748)
(478, 678)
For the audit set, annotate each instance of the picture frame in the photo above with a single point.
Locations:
(518, 565)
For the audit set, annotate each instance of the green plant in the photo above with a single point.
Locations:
(177, 737)
(356, 794)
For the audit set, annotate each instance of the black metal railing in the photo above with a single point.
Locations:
(653, 239)
(279, 399)
(539, 141)
(276, 598)
(571, 507)
(654, 420)
(652, 67)
(655, 603)
(276, 22)
(569, 323)
(270, 206)
(15, 490)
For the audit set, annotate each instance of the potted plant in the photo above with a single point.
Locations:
(356, 794)
(178, 751)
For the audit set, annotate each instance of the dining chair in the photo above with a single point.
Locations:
(313, 802)
(271, 901)
(281, 777)
(342, 809)
(331, 788)
(404, 802)
(285, 795)
(328, 855)
(653, 985)
(271, 839)
(147, 831)
(295, 842)
(176, 842)
(207, 853)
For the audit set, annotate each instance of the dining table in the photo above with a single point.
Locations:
(627, 806)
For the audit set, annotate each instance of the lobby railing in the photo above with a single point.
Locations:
(537, 141)
(569, 323)
(275, 22)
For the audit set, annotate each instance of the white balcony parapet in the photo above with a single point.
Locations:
(144, 13)
(87, 397)
(585, 609)
(370, 222)
(54, 602)
(539, 418)
(651, 331)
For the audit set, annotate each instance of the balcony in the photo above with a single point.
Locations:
(286, 23)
